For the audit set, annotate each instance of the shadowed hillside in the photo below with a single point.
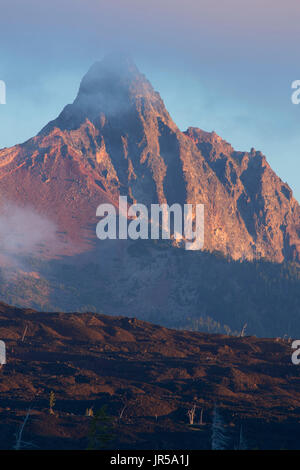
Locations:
(155, 375)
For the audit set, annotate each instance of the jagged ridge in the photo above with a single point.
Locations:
(118, 138)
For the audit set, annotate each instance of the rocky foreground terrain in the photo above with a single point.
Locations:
(149, 377)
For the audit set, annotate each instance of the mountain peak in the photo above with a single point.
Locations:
(114, 64)
(117, 138)
(111, 82)
(111, 87)
(112, 73)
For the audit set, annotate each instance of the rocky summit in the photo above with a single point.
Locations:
(118, 138)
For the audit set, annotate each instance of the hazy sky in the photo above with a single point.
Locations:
(223, 65)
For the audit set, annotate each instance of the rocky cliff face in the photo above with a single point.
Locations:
(261, 217)
(118, 138)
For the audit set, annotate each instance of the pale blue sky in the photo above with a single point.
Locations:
(224, 66)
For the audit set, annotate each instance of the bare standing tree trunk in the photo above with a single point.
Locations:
(20, 444)
(191, 414)
(220, 438)
(201, 417)
(122, 411)
(24, 333)
(242, 333)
